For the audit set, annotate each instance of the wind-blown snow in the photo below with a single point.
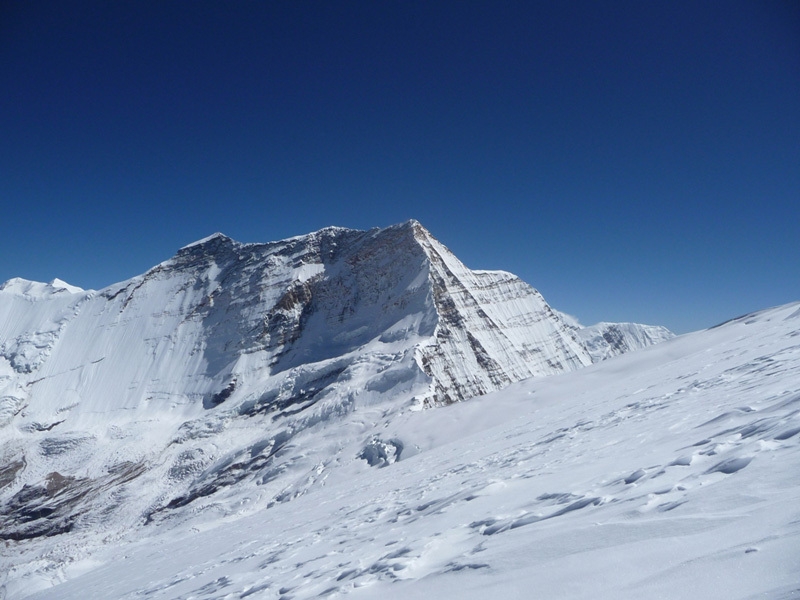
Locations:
(661, 473)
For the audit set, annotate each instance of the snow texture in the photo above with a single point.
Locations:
(243, 421)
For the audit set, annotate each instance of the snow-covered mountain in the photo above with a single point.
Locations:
(655, 474)
(234, 377)
(605, 340)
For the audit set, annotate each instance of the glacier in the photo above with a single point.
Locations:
(267, 402)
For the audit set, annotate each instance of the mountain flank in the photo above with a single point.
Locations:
(217, 372)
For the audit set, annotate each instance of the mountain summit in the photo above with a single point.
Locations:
(220, 366)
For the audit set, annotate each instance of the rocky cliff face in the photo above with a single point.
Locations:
(219, 365)
(493, 329)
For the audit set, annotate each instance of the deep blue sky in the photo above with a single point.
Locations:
(632, 160)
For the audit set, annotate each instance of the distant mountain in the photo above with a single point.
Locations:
(218, 366)
(605, 340)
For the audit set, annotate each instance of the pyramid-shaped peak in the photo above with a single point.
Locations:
(212, 240)
(413, 225)
(60, 285)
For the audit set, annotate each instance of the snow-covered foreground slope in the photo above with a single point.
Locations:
(671, 472)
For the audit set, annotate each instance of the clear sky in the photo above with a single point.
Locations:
(634, 161)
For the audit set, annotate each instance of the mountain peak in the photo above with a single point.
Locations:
(37, 289)
(414, 226)
(213, 365)
(213, 239)
(218, 239)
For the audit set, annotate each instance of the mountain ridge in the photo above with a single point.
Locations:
(209, 373)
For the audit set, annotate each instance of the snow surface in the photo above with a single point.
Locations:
(663, 473)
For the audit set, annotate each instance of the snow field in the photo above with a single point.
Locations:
(665, 473)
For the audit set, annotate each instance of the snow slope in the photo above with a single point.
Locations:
(663, 473)
(235, 377)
